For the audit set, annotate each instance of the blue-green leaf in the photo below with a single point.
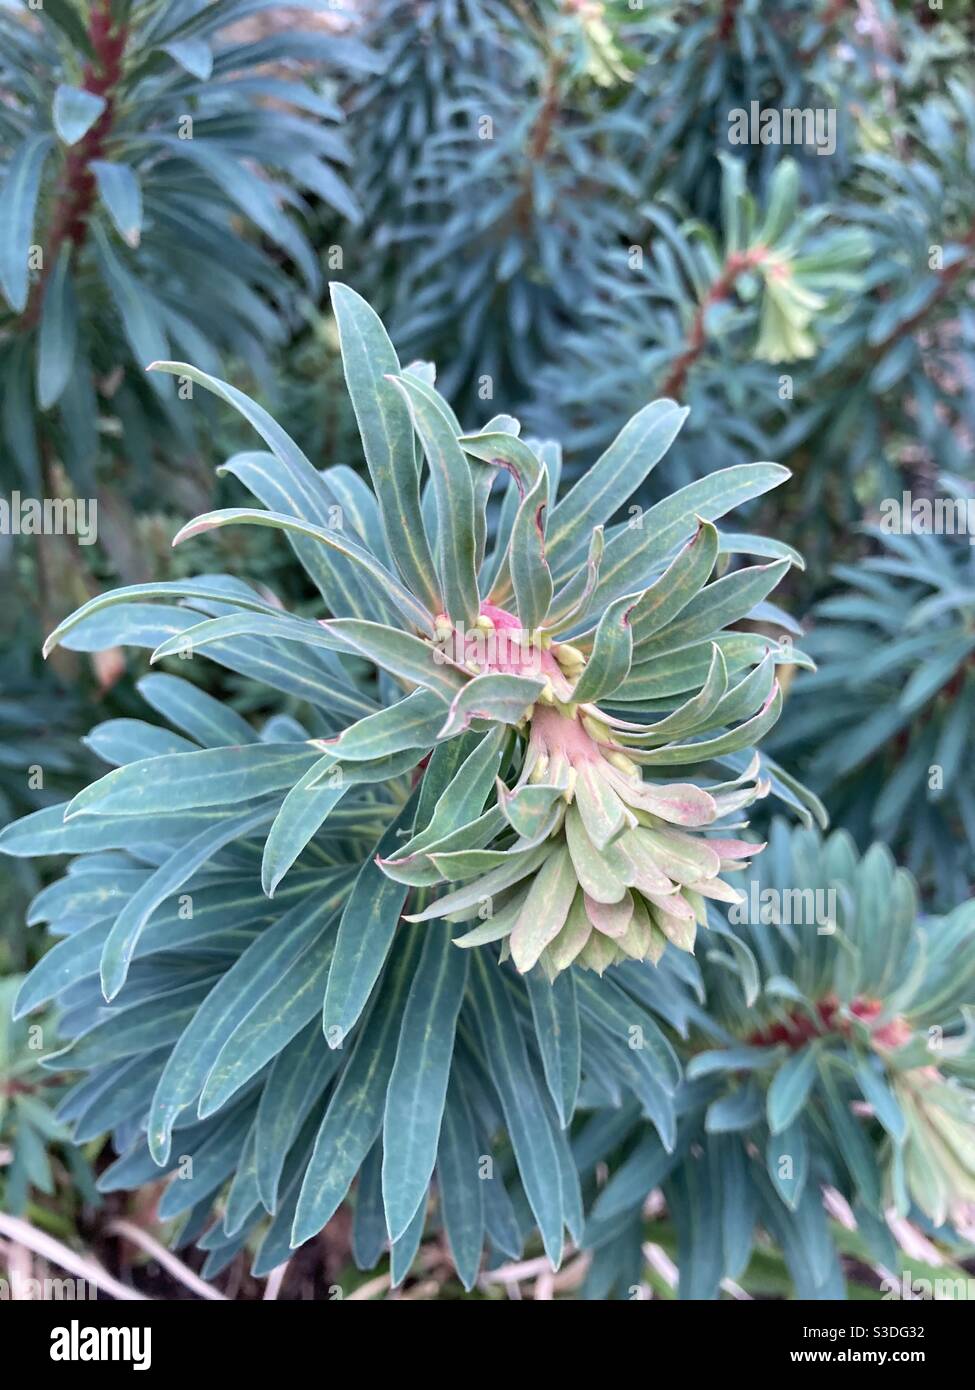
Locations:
(790, 1088)
(616, 474)
(496, 696)
(119, 190)
(58, 333)
(454, 491)
(461, 1187)
(368, 359)
(418, 1084)
(354, 1116)
(612, 651)
(559, 1036)
(210, 777)
(75, 112)
(171, 874)
(521, 1101)
(18, 203)
(365, 935)
(530, 575)
(787, 1159)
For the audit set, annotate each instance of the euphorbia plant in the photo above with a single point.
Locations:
(249, 975)
(895, 646)
(832, 1051)
(29, 1132)
(145, 151)
(492, 172)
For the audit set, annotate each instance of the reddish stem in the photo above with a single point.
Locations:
(827, 20)
(539, 140)
(726, 21)
(735, 266)
(15, 1088)
(76, 189)
(801, 1028)
(947, 278)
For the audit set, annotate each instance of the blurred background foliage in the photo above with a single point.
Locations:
(543, 197)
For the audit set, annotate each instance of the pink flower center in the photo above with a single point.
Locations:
(557, 735)
(504, 647)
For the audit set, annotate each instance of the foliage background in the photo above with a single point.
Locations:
(542, 199)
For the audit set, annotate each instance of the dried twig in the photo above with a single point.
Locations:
(369, 1290)
(274, 1281)
(83, 1267)
(170, 1262)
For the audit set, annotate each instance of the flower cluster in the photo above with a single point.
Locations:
(606, 866)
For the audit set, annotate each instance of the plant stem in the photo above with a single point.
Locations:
(946, 279)
(540, 138)
(735, 266)
(76, 191)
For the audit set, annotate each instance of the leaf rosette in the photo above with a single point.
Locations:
(487, 696)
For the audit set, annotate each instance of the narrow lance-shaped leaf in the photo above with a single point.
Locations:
(612, 652)
(119, 190)
(744, 736)
(461, 1201)
(556, 1017)
(210, 777)
(455, 787)
(790, 1088)
(293, 487)
(787, 1160)
(494, 696)
(725, 601)
(337, 540)
(602, 490)
(527, 809)
(635, 550)
(368, 359)
(292, 1001)
(58, 333)
(545, 909)
(508, 451)
(693, 713)
(205, 719)
(355, 1112)
(134, 592)
(365, 935)
(411, 723)
(521, 1101)
(418, 1084)
(513, 455)
(684, 577)
(275, 627)
(571, 604)
(301, 815)
(465, 902)
(284, 448)
(172, 874)
(247, 980)
(454, 490)
(18, 203)
(401, 654)
(530, 574)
